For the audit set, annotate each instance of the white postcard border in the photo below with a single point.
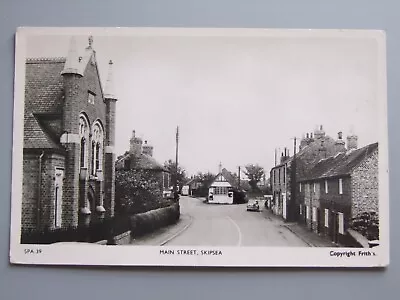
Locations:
(93, 254)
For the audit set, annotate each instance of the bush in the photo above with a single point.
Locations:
(367, 224)
(138, 191)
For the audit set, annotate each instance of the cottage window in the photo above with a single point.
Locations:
(340, 186)
(300, 209)
(307, 212)
(284, 175)
(314, 214)
(326, 186)
(326, 217)
(279, 175)
(341, 223)
(314, 185)
(300, 187)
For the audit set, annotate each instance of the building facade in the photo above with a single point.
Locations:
(284, 176)
(339, 189)
(69, 132)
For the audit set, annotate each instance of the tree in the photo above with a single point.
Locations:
(181, 179)
(137, 191)
(255, 173)
(204, 180)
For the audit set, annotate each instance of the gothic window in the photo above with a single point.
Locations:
(83, 152)
(84, 137)
(97, 147)
(58, 191)
(97, 156)
(93, 158)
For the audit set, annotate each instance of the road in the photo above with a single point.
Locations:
(231, 225)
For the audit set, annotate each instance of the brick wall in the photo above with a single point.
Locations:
(30, 178)
(30, 189)
(109, 161)
(364, 180)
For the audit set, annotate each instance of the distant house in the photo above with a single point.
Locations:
(283, 176)
(194, 184)
(338, 189)
(225, 187)
(140, 157)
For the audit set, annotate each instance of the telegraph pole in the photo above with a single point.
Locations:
(239, 177)
(176, 164)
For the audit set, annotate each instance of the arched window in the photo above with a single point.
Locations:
(97, 147)
(84, 137)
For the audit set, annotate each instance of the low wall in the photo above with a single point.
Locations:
(147, 222)
(123, 238)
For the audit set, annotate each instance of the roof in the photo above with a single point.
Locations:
(34, 135)
(340, 164)
(232, 180)
(144, 162)
(44, 85)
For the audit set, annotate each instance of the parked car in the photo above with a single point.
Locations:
(253, 206)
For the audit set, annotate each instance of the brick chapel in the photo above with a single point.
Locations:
(69, 133)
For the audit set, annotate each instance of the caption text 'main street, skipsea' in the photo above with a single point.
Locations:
(189, 252)
(338, 254)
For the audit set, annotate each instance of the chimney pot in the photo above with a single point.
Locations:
(308, 135)
(340, 135)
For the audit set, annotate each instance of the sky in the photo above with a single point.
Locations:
(235, 99)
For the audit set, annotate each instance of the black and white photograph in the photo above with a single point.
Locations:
(200, 147)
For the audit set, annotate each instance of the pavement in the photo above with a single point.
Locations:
(164, 235)
(309, 237)
(202, 224)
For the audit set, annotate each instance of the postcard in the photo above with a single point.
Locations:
(217, 147)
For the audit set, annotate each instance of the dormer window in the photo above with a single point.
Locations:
(91, 97)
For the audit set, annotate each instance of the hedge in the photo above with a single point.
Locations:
(154, 219)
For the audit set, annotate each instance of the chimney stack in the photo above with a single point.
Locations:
(135, 144)
(339, 143)
(352, 142)
(147, 149)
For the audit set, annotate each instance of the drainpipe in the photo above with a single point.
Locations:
(39, 206)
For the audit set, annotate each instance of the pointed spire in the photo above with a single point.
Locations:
(90, 39)
(109, 91)
(73, 61)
